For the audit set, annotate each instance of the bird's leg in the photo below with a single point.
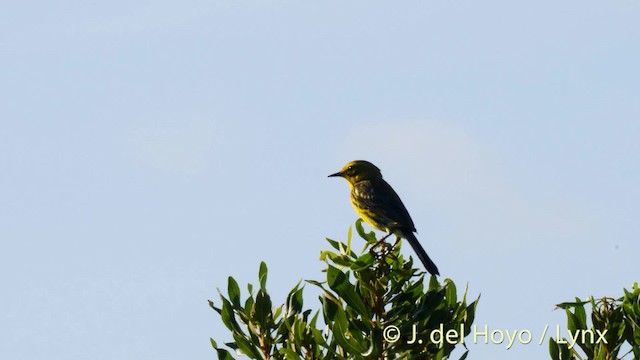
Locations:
(385, 248)
(378, 243)
(394, 244)
(376, 254)
(383, 239)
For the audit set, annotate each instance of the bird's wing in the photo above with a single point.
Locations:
(380, 198)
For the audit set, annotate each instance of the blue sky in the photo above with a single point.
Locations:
(150, 149)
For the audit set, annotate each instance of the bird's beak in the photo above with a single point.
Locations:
(336, 174)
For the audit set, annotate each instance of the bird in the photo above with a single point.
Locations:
(380, 206)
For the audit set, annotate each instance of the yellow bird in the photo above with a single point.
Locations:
(378, 204)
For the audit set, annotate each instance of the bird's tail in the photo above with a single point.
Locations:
(422, 255)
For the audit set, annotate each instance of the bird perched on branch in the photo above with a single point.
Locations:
(378, 204)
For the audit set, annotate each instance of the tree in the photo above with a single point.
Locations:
(374, 305)
(615, 324)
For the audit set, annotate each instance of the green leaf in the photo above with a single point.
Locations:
(365, 261)
(341, 260)
(470, 316)
(326, 255)
(360, 229)
(343, 336)
(600, 353)
(316, 283)
(262, 275)
(277, 312)
(464, 356)
(228, 317)
(334, 244)
(294, 300)
(339, 282)
(566, 305)
(289, 354)
(344, 251)
(370, 237)
(330, 306)
(554, 351)
(581, 316)
(248, 306)
(565, 354)
(571, 321)
(319, 338)
(214, 307)
(298, 331)
(234, 291)
(451, 293)
(222, 353)
(434, 285)
(314, 319)
(263, 309)
(247, 348)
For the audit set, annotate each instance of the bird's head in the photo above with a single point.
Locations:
(359, 170)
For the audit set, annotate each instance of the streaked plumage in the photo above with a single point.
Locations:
(378, 204)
